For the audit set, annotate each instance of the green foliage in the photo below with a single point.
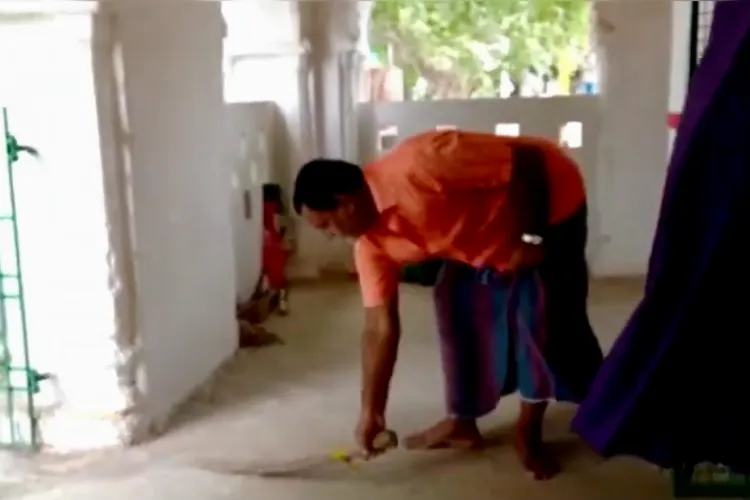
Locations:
(460, 46)
(22, 17)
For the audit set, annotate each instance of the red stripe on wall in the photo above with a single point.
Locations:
(673, 120)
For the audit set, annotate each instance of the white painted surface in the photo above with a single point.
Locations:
(276, 51)
(182, 192)
(328, 97)
(70, 312)
(251, 143)
(261, 26)
(633, 139)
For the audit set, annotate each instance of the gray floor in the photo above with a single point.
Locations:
(289, 401)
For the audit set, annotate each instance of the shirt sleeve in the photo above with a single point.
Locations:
(455, 160)
(378, 274)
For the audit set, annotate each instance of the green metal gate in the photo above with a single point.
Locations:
(18, 382)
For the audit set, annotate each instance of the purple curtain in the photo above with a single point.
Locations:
(673, 388)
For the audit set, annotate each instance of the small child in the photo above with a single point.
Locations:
(275, 248)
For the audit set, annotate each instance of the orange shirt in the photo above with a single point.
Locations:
(443, 194)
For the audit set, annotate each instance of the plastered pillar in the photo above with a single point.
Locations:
(634, 45)
(331, 31)
(168, 183)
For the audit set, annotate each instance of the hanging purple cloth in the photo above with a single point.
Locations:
(673, 389)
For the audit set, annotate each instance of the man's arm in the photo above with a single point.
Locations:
(378, 278)
(379, 353)
(529, 191)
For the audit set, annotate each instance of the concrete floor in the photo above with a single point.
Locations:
(287, 401)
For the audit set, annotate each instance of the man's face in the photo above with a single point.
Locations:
(341, 222)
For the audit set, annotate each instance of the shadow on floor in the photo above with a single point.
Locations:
(318, 334)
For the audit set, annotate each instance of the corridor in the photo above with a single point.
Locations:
(288, 401)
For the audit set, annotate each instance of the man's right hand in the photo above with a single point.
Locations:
(369, 427)
(525, 257)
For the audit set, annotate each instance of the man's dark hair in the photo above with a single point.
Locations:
(320, 181)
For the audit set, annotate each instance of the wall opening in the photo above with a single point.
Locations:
(387, 138)
(508, 129)
(261, 52)
(51, 101)
(476, 49)
(571, 135)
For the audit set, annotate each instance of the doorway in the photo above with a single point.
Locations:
(48, 93)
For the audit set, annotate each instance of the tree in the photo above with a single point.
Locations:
(23, 17)
(460, 47)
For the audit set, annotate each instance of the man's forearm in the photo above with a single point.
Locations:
(379, 353)
(529, 191)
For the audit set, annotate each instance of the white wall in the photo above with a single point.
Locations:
(633, 138)
(251, 143)
(182, 192)
(264, 38)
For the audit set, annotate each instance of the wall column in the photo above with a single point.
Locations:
(634, 43)
(168, 178)
(331, 30)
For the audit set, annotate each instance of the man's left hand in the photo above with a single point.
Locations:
(525, 257)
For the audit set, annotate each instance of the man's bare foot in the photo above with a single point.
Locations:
(537, 459)
(448, 433)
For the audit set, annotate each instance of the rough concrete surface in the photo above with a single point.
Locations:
(288, 401)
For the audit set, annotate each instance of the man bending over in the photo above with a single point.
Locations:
(508, 215)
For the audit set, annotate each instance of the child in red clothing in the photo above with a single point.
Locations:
(275, 251)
